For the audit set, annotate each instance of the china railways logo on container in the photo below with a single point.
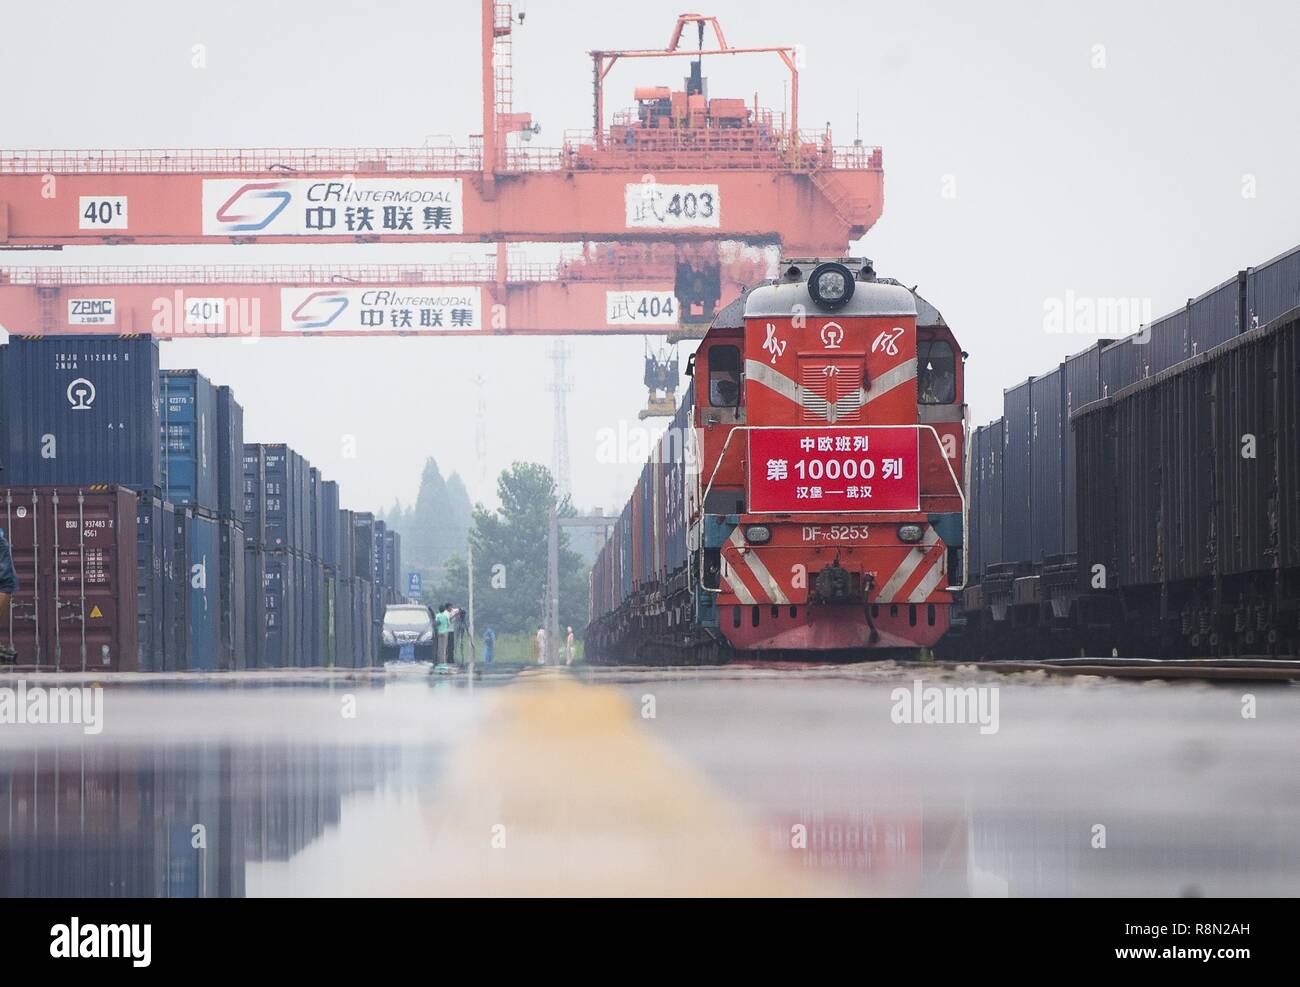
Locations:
(81, 394)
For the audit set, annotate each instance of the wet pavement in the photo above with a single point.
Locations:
(765, 780)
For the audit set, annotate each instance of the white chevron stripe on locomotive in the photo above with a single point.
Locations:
(930, 581)
(774, 380)
(907, 568)
(734, 583)
(750, 559)
(731, 581)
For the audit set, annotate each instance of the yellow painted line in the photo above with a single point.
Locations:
(580, 799)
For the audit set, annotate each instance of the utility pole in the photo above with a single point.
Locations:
(560, 386)
(469, 562)
(553, 584)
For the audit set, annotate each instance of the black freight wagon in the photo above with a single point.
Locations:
(1031, 590)
(1190, 541)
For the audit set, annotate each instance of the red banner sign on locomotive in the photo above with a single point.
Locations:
(822, 470)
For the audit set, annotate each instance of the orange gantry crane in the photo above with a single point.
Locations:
(679, 166)
(664, 198)
(613, 292)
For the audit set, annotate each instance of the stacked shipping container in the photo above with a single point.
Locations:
(238, 555)
(74, 551)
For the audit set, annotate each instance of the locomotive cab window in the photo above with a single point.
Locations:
(936, 372)
(724, 376)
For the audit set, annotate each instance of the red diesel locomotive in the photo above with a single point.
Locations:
(805, 501)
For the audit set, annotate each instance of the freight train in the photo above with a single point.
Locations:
(1143, 497)
(147, 535)
(805, 500)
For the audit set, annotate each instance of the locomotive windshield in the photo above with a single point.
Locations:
(724, 376)
(936, 372)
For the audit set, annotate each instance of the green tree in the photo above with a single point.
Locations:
(510, 558)
(461, 510)
(436, 526)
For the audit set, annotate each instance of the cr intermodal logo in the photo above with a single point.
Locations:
(253, 206)
(319, 309)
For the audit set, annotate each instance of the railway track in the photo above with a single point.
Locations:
(1216, 669)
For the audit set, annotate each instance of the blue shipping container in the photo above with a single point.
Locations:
(974, 501)
(1017, 490)
(302, 616)
(363, 545)
(1167, 343)
(285, 498)
(277, 647)
(254, 607)
(232, 598)
(318, 652)
(344, 622)
(1082, 384)
(230, 454)
(156, 574)
(367, 637)
(991, 503)
(80, 410)
(189, 439)
(254, 510)
(315, 545)
(1046, 467)
(329, 505)
(1273, 288)
(1215, 317)
(393, 566)
(301, 478)
(347, 557)
(1119, 366)
(204, 595)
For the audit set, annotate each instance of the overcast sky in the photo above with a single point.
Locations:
(1100, 149)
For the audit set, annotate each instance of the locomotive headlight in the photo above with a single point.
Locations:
(758, 534)
(910, 532)
(831, 285)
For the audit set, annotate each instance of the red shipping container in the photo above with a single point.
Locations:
(74, 551)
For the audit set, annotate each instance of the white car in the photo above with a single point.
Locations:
(407, 624)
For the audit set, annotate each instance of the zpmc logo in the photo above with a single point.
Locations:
(318, 310)
(81, 394)
(253, 206)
